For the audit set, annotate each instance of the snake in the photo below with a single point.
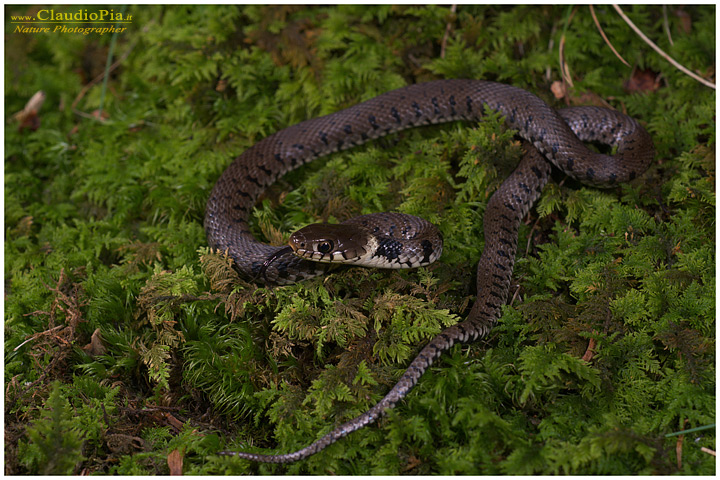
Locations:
(550, 137)
(380, 240)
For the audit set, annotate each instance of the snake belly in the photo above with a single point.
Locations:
(551, 137)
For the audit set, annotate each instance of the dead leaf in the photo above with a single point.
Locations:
(590, 350)
(28, 117)
(678, 451)
(642, 81)
(172, 421)
(23, 227)
(561, 91)
(100, 115)
(122, 444)
(175, 462)
(95, 347)
(413, 462)
(558, 89)
(685, 25)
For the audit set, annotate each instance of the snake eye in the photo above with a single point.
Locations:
(325, 246)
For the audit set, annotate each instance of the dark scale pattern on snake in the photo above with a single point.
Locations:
(552, 135)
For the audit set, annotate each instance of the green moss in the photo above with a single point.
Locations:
(608, 344)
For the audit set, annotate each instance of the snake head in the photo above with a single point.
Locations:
(330, 243)
(323, 242)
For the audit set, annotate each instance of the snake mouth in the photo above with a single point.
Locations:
(263, 270)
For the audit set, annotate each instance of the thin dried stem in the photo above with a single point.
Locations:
(100, 78)
(602, 34)
(448, 27)
(666, 25)
(564, 69)
(660, 51)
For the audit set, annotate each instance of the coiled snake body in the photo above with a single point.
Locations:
(552, 135)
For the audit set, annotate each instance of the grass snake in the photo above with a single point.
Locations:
(550, 136)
